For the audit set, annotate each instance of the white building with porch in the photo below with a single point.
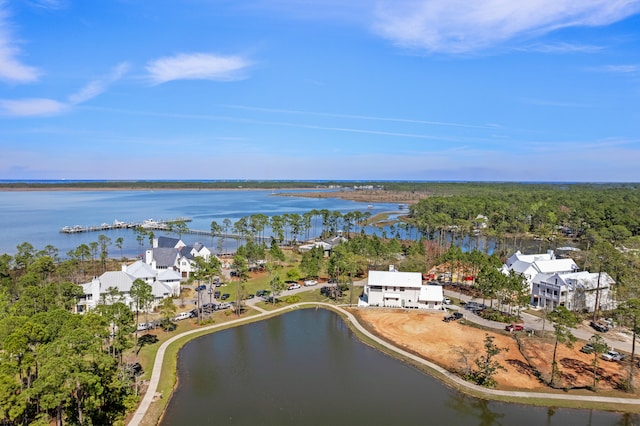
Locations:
(576, 291)
(394, 289)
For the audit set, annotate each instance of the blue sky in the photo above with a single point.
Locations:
(490, 90)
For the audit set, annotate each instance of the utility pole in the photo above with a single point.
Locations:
(595, 308)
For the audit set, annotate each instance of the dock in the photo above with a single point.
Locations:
(148, 224)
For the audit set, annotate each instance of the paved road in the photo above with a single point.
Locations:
(613, 339)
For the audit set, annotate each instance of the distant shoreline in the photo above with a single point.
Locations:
(364, 196)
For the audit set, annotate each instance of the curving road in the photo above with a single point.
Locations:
(157, 366)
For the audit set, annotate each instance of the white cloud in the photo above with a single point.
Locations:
(31, 107)
(621, 69)
(97, 87)
(46, 107)
(564, 48)
(458, 26)
(197, 66)
(11, 69)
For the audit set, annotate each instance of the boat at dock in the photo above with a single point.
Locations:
(148, 224)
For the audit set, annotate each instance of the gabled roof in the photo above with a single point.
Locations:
(187, 252)
(394, 278)
(165, 257)
(168, 242)
(530, 258)
(160, 289)
(556, 265)
(521, 267)
(139, 269)
(118, 279)
(169, 275)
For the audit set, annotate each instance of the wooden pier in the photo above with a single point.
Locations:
(149, 224)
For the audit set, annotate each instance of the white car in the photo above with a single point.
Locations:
(612, 356)
(446, 301)
(310, 283)
(182, 316)
(143, 326)
(293, 287)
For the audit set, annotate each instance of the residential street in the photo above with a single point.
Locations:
(613, 338)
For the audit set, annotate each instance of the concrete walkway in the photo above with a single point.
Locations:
(157, 366)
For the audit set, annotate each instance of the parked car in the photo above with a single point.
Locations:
(144, 326)
(250, 296)
(446, 301)
(261, 293)
(293, 286)
(600, 326)
(474, 306)
(225, 296)
(514, 327)
(587, 349)
(453, 317)
(224, 305)
(612, 356)
(310, 283)
(182, 316)
(216, 294)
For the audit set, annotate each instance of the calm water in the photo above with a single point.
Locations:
(37, 216)
(307, 368)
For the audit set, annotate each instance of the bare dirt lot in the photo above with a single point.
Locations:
(455, 346)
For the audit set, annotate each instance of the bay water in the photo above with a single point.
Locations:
(37, 216)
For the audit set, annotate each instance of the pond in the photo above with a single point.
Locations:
(307, 368)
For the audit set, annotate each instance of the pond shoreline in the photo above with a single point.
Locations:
(441, 374)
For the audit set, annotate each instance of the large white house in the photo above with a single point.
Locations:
(172, 253)
(557, 282)
(575, 291)
(530, 265)
(98, 291)
(400, 290)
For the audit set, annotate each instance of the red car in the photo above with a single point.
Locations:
(514, 327)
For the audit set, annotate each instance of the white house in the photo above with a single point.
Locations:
(173, 254)
(400, 290)
(530, 265)
(163, 284)
(576, 291)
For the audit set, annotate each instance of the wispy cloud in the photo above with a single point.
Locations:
(47, 107)
(98, 86)
(620, 69)
(32, 107)
(562, 48)
(11, 68)
(554, 103)
(361, 117)
(198, 66)
(459, 26)
(49, 4)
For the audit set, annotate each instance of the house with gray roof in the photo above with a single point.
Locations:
(171, 253)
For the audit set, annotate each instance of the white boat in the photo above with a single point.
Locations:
(150, 223)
